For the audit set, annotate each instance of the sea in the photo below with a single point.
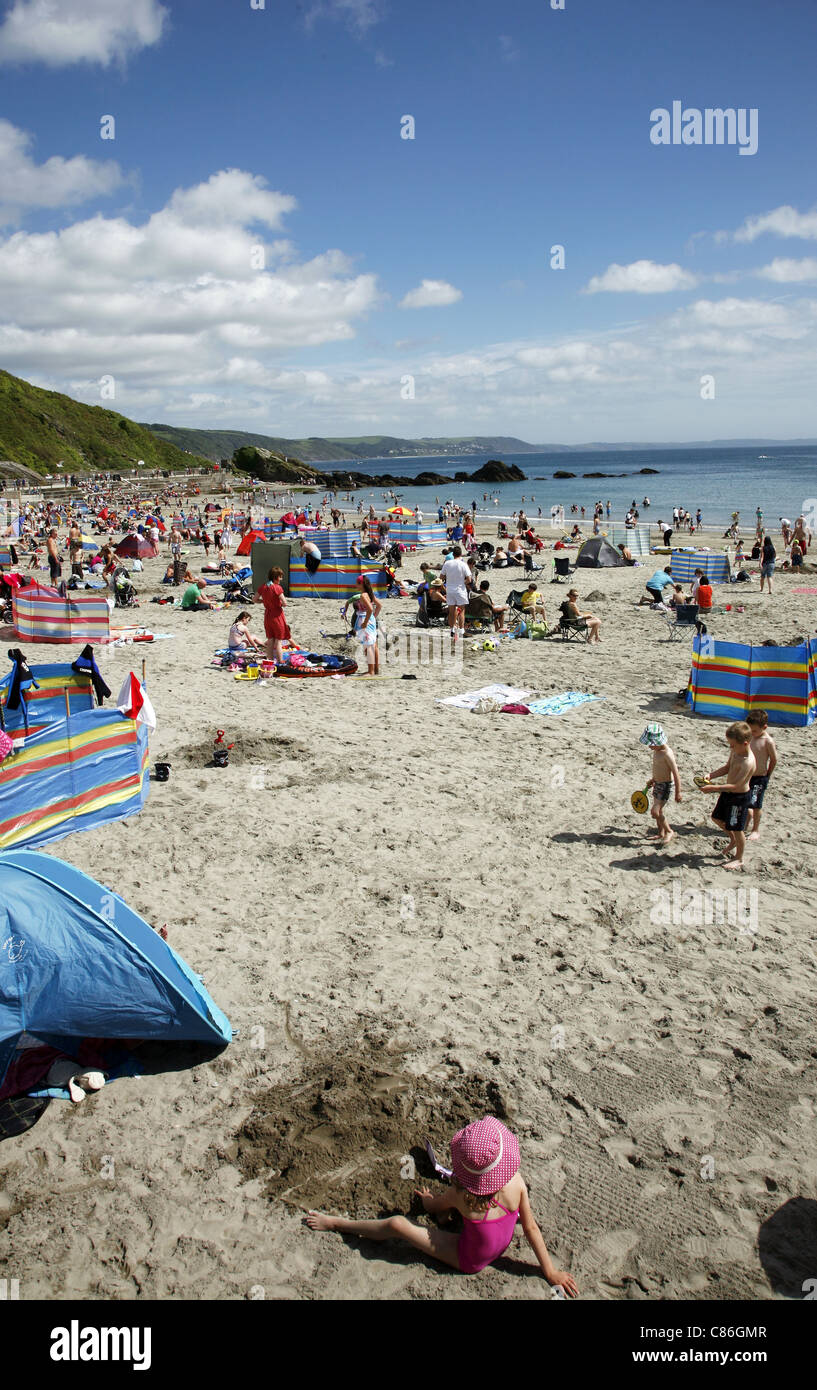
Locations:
(780, 479)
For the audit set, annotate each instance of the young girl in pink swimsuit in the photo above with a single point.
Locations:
(489, 1193)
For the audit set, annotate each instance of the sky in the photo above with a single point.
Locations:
(357, 217)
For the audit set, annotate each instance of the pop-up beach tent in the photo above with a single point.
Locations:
(598, 553)
(247, 542)
(714, 564)
(729, 679)
(78, 964)
(42, 614)
(135, 547)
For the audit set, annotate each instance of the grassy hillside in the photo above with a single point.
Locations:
(41, 428)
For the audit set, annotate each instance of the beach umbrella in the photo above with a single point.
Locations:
(400, 511)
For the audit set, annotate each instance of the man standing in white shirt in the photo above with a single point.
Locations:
(457, 577)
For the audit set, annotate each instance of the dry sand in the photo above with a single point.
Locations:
(414, 915)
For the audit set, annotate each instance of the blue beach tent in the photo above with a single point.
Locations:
(76, 962)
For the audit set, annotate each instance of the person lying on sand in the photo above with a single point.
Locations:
(488, 1191)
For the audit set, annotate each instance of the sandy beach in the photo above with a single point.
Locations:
(414, 915)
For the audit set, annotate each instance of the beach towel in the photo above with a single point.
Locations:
(560, 704)
(804, 591)
(505, 694)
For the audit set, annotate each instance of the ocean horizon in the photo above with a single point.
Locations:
(781, 480)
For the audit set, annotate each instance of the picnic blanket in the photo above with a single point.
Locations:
(504, 693)
(560, 704)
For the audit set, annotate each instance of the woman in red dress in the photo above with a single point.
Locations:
(276, 629)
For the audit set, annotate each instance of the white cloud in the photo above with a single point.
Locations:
(79, 31)
(737, 313)
(430, 294)
(358, 15)
(641, 277)
(177, 295)
(25, 186)
(784, 221)
(789, 272)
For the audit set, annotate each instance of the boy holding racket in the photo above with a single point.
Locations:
(664, 774)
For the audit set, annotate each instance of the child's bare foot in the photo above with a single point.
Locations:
(734, 864)
(670, 835)
(319, 1221)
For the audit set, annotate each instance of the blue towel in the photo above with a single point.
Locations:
(560, 704)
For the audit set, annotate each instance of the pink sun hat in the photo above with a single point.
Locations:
(485, 1156)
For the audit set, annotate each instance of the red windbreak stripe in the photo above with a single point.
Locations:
(73, 755)
(71, 803)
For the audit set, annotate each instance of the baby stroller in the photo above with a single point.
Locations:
(123, 591)
(235, 590)
(485, 554)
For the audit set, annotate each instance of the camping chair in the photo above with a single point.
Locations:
(569, 629)
(480, 611)
(433, 616)
(561, 568)
(685, 622)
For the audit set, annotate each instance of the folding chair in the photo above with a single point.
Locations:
(561, 568)
(686, 622)
(570, 629)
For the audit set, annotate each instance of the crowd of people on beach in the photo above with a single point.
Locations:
(486, 1188)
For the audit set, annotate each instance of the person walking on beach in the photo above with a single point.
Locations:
(490, 1194)
(457, 578)
(767, 559)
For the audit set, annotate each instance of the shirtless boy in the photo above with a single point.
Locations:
(732, 806)
(664, 774)
(765, 754)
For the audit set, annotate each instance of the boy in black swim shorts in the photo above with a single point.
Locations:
(732, 806)
(765, 755)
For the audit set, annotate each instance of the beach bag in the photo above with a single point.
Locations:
(537, 632)
(487, 704)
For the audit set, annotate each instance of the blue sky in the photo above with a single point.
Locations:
(406, 284)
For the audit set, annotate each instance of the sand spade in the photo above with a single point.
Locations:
(640, 801)
(221, 750)
(438, 1167)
